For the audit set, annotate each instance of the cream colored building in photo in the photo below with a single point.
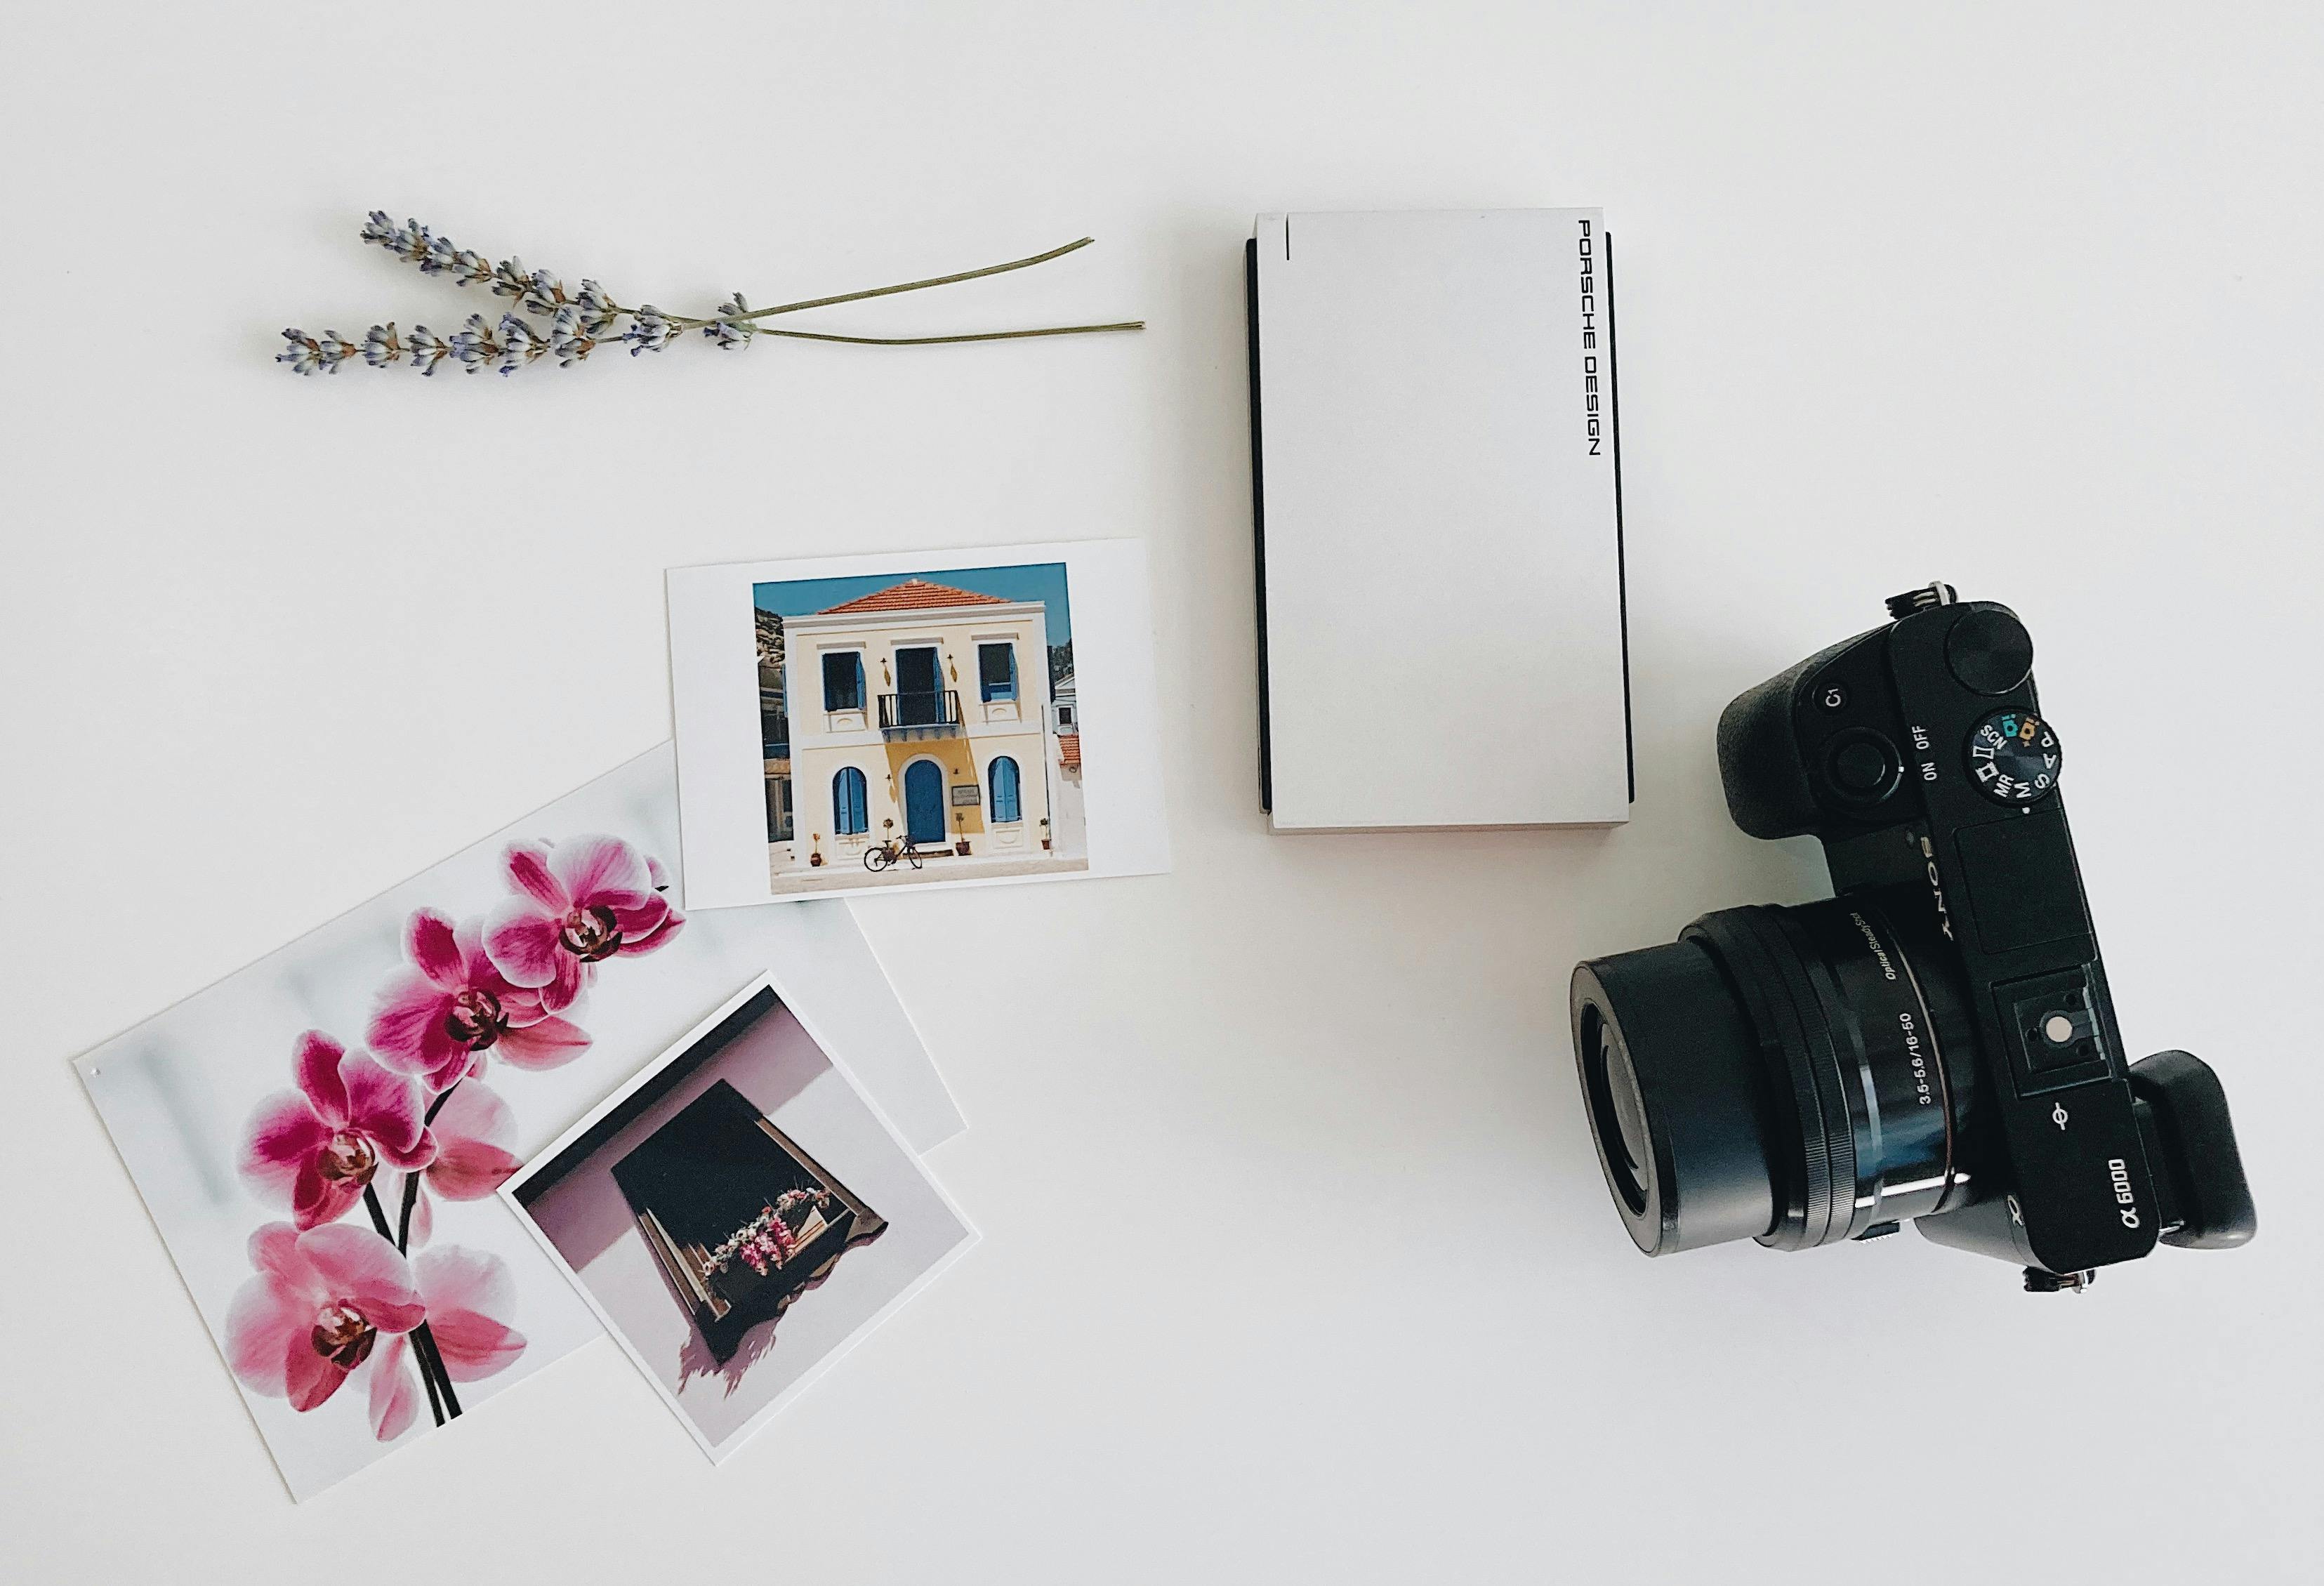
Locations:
(918, 714)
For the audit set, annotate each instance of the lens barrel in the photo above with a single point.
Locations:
(1777, 1074)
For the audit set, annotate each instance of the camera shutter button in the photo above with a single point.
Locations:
(1989, 652)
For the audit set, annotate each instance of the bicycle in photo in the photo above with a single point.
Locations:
(880, 856)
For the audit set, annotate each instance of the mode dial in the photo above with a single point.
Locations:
(2013, 757)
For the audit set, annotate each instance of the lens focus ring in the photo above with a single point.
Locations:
(1799, 1053)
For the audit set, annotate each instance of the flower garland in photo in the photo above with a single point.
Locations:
(333, 1297)
(768, 1240)
(574, 323)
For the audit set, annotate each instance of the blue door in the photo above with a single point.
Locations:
(924, 811)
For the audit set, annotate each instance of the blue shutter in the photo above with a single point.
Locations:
(1004, 790)
(849, 817)
(996, 671)
(842, 680)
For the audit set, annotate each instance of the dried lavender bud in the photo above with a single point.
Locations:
(650, 331)
(304, 353)
(569, 338)
(307, 354)
(510, 279)
(382, 347)
(520, 344)
(411, 243)
(473, 344)
(730, 329)
(544, 295)
(598, 310)
(406, 241)
(427, 349)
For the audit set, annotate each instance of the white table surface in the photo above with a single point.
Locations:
(1297, 1266)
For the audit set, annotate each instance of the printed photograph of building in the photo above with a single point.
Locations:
(919, 728)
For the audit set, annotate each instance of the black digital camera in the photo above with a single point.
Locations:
(1936, 1042)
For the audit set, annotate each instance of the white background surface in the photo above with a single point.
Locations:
(1296, 1264)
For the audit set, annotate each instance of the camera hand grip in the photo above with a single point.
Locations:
(2190, 1144)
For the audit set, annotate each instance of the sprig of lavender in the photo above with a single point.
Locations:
(584, 319)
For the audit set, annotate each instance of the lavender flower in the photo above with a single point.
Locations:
(465, 266)
(545, 295)
(474, 346)
(579, 322)
(382, 347)
(598, 310)
(730, 329)
(307, 354)
(569, 338)
(410, 242)
(427, 349)
(521, 344)
(650, 331)
(510, 279)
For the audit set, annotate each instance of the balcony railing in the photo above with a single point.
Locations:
(936, 711)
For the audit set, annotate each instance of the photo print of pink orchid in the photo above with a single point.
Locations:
(320, 1136)
(325, 1291)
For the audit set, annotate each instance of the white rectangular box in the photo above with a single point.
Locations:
(1437, 506)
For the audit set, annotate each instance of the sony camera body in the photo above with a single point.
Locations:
(1935, 1043)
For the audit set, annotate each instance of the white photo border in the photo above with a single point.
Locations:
(713, 691)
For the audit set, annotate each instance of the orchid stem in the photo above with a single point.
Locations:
(423, 1343)
(403, 1220)
(423, 1350)
(411, 1180)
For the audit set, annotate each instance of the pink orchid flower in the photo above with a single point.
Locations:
(461, 1288)
(436, 1018)
(314, 1312)
(577, 903)
(317, 1147)
(473, 1130)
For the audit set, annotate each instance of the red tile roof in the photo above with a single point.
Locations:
(1069, 751)
(913, 594)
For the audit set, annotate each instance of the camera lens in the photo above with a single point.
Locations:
(1614, 1100)
(1675, 1100)
(1778, 1074)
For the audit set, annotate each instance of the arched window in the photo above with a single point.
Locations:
(1004, 790)
(849, 813)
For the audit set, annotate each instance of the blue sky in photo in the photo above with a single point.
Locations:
(1034, 581)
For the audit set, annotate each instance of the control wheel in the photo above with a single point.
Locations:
(1862, 767)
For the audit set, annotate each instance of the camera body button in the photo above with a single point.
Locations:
(1989, 652)
(1861, 766)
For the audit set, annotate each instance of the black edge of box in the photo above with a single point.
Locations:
(1621, 555)
(1259, 519)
